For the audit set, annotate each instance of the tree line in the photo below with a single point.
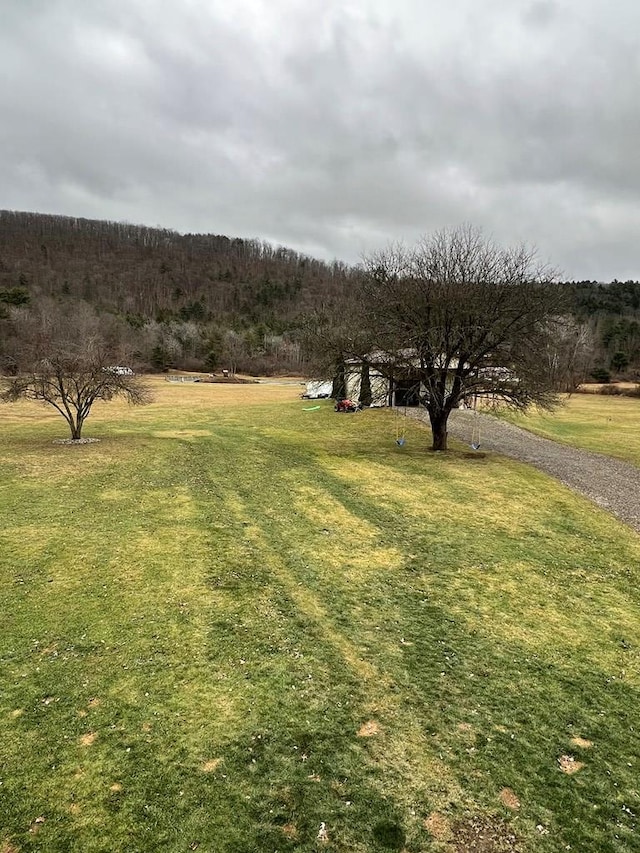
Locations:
(203, 301)
(453, 319)
(193, 301)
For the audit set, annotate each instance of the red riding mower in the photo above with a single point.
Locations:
(346, 406)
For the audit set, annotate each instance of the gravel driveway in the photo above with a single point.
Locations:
(612, 484)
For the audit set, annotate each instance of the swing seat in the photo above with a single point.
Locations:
(475, 446)
(400, 442)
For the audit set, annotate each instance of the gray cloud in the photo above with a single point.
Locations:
(332, 126)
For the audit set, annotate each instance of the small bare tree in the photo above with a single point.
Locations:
(466, 318)
(64, 363)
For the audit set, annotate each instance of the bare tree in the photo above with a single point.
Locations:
(570, 353)
(235, 349)
(465, 318)
(64, 363)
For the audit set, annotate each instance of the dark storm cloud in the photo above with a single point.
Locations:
(332, 126)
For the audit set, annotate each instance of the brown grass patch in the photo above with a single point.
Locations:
(75, 809)
(290, 831)
(569, 765)
(116, 787)
(369, 729)
(8, 847)
(181, 433)
(88, 739)
(93, 703)
(211, 765)
(17, 713)
(146, 727)
(483, 834)
(438, 825)
(217, 394)
(509, 799)
(582, 742)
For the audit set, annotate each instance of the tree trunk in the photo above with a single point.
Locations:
(76, 429)
(339, 388)
(439, 430)
(365, 386)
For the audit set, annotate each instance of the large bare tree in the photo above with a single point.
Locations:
(466, 318)
(65, 362)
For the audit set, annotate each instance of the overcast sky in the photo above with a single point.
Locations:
(332, 126)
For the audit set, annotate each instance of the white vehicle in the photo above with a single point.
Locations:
(118, 370)
(318, 390)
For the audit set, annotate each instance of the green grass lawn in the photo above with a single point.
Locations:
(605, 424)
(226, 624)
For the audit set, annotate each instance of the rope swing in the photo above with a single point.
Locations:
(475, 429)
(400, 433)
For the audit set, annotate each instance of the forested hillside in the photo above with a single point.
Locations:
(203, 301)
(611, 312)
(194, 300)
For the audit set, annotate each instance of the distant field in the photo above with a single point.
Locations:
(235, 625)
(601, 423)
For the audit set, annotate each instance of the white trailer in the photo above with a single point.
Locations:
(318, 390)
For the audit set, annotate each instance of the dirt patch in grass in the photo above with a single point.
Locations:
(116, 787)
(582, 742)
(483, 834)
(88, 739)
(211, 765)
(94, 702)
(290, 831)
(8, 847)
(369, 729)
(509, 799)
(569, 765)
(438, 825)
(181, 433)
(36, 826)
(75, 442)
